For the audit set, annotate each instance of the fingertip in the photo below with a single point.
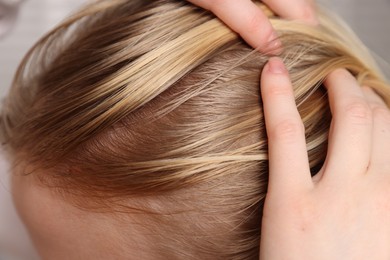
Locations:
(274, 77)
(248, 20)
(273, 45)
(260, 34)
(301, 10)
(336, 75)
(288, 163)
(276, 65)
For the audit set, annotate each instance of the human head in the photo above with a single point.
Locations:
(144, 117)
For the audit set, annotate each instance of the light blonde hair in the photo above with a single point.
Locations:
(160, 100)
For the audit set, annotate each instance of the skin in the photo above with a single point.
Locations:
(61, 231)
(244, 17)
(343, 212)
(335, 215)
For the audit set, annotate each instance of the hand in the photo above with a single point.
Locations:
(244, 17)
(344, 211)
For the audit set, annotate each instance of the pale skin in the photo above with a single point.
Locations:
(244, 17)
(341, 213)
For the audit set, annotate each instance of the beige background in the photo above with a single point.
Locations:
(369, 18)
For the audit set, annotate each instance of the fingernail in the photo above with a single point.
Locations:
(273, 36)
(276, 66)
(274, 44)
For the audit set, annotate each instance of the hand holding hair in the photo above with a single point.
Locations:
(244, 17)
(136, 128)
(343, 211)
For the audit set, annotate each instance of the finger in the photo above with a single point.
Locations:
(380, 155)
(349, 145)
(288, 159)
(245, 18)
(303, 10)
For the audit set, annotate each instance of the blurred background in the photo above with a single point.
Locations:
(23, 22)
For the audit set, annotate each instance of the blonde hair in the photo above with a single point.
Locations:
(159, 99)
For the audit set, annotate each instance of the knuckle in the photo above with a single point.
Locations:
(358, 111)
(278, 90)
(287, 130)
(254, 23)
